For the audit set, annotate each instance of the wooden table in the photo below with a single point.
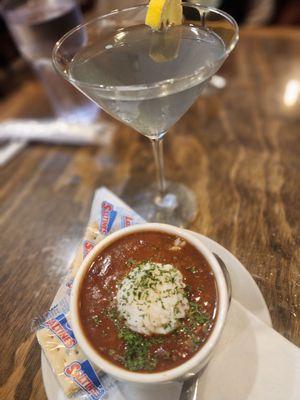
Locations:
(238, 149)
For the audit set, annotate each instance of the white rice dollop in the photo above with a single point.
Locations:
(151, 298)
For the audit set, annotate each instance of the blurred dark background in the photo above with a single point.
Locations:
(263, 12)
(254, 13)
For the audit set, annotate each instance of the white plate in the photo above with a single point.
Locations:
(244, 290)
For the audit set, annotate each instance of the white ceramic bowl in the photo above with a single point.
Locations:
(188, 368)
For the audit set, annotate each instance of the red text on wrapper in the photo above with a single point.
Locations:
(61, 329)
(126, 221)
(85, 377)
(87, 247)
(108, 215)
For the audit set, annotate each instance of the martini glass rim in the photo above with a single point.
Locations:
(154, 85)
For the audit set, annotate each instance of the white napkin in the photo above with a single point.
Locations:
(252, 361)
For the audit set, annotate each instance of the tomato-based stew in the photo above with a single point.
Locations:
(148, 302)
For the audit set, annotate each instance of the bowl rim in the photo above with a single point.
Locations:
(154, 377)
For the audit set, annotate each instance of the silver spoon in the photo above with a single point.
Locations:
(226, 276)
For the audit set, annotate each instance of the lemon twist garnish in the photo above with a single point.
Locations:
(165, 45)
(163, 13)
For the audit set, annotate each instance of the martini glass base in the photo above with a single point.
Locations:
(176, 207)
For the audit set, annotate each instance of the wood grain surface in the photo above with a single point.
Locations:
(238, 149)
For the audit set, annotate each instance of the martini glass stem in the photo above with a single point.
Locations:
(157, 145)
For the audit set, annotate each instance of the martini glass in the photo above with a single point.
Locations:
(148, 80)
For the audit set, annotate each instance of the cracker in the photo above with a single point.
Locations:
(59, 357)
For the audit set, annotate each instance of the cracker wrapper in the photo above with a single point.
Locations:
(74, 372)
(108, 214)
(77, 376)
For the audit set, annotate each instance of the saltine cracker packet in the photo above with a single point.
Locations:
(77, 376)
(108, 215)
